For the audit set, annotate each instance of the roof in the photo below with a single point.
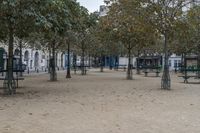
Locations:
(149, 57)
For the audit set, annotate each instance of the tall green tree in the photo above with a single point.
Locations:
(163, 15)
(57, 19)
(126, 24)
(86, 21)
(194, 21)
(16, 17)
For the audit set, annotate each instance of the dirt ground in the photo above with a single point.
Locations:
(100, 103)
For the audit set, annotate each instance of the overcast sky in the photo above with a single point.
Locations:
(91, 5)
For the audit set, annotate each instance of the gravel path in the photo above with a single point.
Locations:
(101, 103)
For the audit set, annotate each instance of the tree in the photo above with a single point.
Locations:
(71, 40)
(57, 19)
(97, 47)
(71, 34)
(86, 21)
(47, 21)
(126, 25)
(104, 43)
(14, 17)
(194, 21)
(163, 15)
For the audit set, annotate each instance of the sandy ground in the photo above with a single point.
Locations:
(101, 103)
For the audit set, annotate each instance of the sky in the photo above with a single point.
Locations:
(91, 5)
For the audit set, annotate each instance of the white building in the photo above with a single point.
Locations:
(103, 10)
(33, 58)
(174, 62)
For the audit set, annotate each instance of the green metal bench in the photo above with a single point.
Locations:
(151, 69)
(186, 77)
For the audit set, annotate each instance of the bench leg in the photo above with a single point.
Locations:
(146, 74)
(157, 74)
(186, 81)
(17, 83)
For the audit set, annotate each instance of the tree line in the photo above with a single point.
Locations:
(166, 26)
(130, 27)
(52, 25)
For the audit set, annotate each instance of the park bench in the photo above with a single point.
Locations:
(186, 76)
(151, 69)
(17, 78)
(123, 67)
(78, 68)
(156, 72)
(189, 69)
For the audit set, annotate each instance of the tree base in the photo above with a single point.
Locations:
(83, 72)
(20, 74)
(101, 70)
(74, 71)
(129, 78)
(166, 82)
(9, 87)
(53, 77)
(129, 74)
(68, 76)
(138, 72)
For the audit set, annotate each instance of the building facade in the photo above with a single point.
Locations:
(32, 59)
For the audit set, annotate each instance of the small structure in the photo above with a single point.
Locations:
(190, 68)
(150, 64)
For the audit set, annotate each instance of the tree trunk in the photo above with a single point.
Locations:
(68, 61)
(129, 70)
(102, 64)
(9, 82)
(89, 61)
(182, 62)
(96, 64)
(138, 67)
(83, 71)
(116, 63)
(53, 74)
(185, 65)
(110, 62)
(198, 58)
(74, 63)
(56, 61)
(49, 63)
(198, 62)
(145, 64)
(166, 81)
(20, 60)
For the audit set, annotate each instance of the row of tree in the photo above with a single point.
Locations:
(167, 26)
(53, 25)
(130, 27)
